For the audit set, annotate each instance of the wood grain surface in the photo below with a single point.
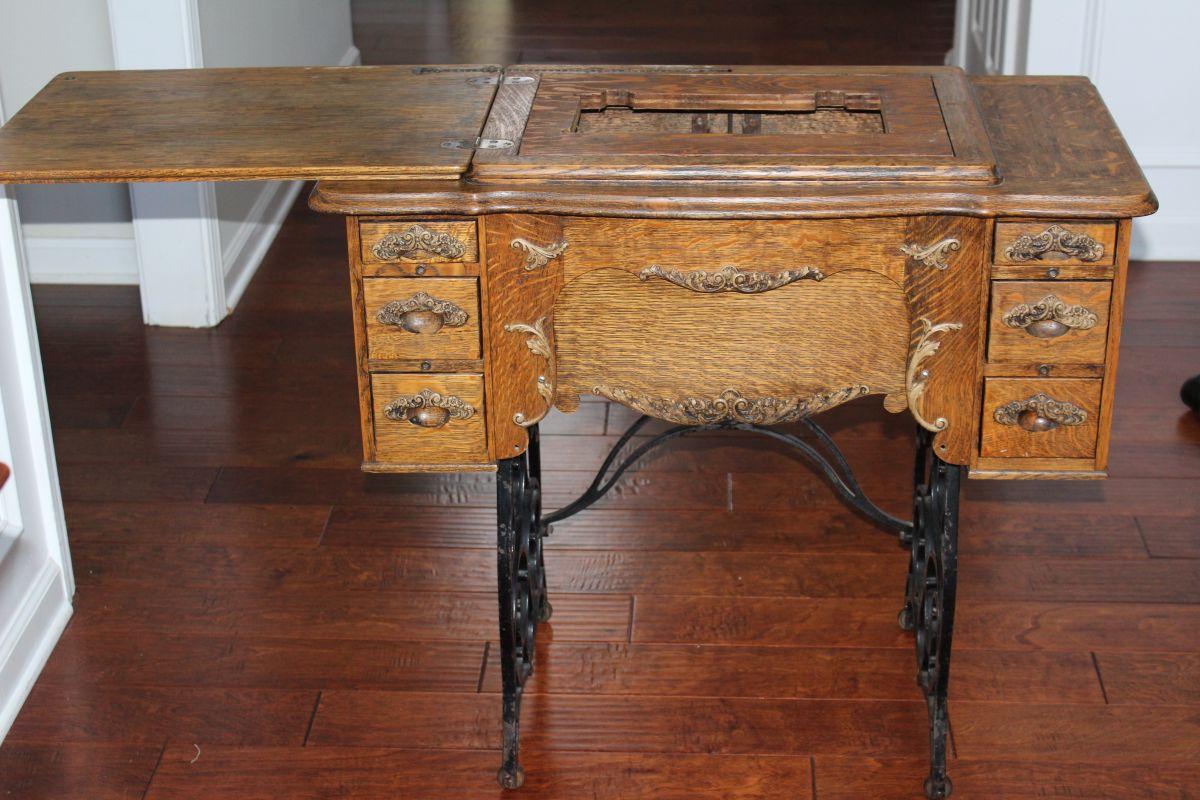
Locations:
(1065, 441)
(245, 124)
(392, 342)
(234, 565)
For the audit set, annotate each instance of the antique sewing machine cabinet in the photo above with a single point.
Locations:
(717, 247)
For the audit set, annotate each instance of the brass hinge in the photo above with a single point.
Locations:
(492, 80)
(477, 143)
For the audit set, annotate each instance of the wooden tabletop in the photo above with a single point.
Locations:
(244, 124)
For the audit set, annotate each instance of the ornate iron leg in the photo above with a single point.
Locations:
(929, 600)
(522, 591)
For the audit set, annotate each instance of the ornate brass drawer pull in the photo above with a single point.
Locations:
(934, 255)
(422, 313)
(538, 255)
(731, 279)
(417, 239)
(1039, 413)
(428, 409)
(731, 406)
(1055, 239)
(538, 344)
(1049, 317)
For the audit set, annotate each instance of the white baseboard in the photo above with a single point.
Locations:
(29, 640)
(247, 248)
(64, 259)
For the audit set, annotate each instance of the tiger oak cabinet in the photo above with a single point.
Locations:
(718, 247)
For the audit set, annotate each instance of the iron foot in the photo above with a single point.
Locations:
(938, 788)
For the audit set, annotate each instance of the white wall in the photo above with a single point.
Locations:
(1143, 58)
(64, 226)
(265, 33)
(36, 584)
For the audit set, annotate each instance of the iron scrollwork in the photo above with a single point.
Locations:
(538, 255)
(1055, 239)
(916, 377)
(417, 239)
(422, 313)
(731, 406)
(934, 255)
(522, 591)
(731, 278)
(538, 344)
(1049, 317)
(1040, 413)
(930, 596)
(428, 409)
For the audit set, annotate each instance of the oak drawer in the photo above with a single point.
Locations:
(1048, 322)
(1051, 243)
(429, 419)
(385, 242)
(1040, 418)
(426, 318)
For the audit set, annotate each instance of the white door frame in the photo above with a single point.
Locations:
(36, 582)
(175, 227)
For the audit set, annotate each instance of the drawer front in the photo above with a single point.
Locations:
(826, 246)
(425, 318)
(429, 419)
(1048, 322)
(424, 242)
(1050, 243)
(1040, 418)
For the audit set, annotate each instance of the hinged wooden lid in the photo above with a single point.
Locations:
(736, 123)
(246, 124)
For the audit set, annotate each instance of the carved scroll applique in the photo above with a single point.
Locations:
(538, 344)
(731, 279)
(731, 406)
(538, 255)
(916, 377)
(934, 255)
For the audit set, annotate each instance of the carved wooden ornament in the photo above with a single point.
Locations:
(731, 279)
(538, 344)
(538, 255)
(915, 378)
(934, 255)
(731, 406)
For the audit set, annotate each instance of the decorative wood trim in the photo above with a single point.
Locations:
(398, 313)
(915, 377)
(731, 279)
(1040, 413)
(1049, 317)
(417, 239)
(1055, 239)
(538, 344)
(538, 256)
(731, 406)
(934, 255)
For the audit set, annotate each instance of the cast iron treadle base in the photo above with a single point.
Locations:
(932, 538)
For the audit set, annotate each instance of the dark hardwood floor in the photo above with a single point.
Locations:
(258, 619)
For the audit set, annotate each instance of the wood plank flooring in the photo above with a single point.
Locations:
(258, 619)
